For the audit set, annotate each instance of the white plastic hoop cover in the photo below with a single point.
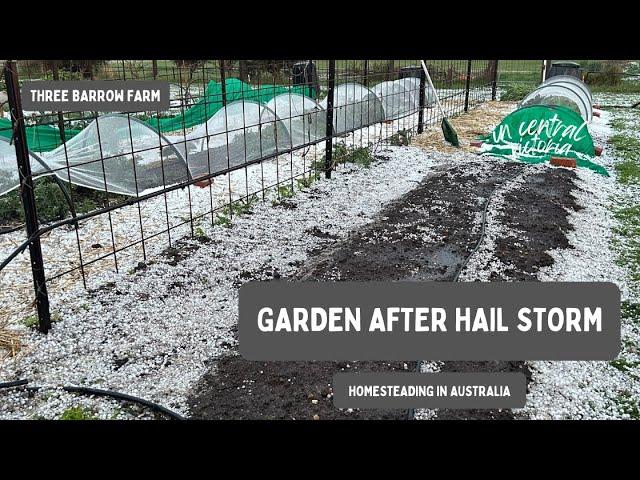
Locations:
(412, 84)
(241, 132)
(568, 79)
(9, 177)
(303, 117)
(555, 94)
(118, 154)
(354, 106)
(396, 100)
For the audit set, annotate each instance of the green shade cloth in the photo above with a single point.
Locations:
(43, 138)
(211, 102)
(40, 138)
(534, 134)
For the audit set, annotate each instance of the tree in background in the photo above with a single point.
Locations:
(191, 67)
(86, 68)
(605, 72)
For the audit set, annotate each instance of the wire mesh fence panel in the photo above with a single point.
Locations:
(237, 131)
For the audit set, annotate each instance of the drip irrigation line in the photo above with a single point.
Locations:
(4, 230)
(101, 393)
(123, 396)
(411, 412)
(15, 383)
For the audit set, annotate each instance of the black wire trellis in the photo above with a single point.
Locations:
(347, 120)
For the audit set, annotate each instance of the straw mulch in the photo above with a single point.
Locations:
(469, 126)
(9, 341)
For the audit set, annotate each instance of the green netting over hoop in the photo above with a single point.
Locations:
(535, 133)
(40, 138)
(211, 102)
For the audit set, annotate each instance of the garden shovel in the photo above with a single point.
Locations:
(449, 132)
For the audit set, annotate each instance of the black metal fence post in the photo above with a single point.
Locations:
(423, 81)
(27, 195)
(56, 76)
(494, 79)
(365, 73)
(223, 85)
(329, 129)
(467, 87)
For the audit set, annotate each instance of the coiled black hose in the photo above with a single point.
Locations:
(102, 393)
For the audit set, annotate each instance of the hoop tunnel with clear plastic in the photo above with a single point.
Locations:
(121, 154)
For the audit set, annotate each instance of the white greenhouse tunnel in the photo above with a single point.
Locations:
(123, 155)
(565, 91)
(9, 177)
(568, 79)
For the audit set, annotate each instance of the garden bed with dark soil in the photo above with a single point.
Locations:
(425, 235)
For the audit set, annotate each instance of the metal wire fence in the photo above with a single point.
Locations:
(520, 72)
(237, 132)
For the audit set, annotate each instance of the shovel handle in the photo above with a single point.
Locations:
(426, 72)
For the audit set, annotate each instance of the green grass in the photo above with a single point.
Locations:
(627, 212)
(78, 413)
(628, 171)
(630, 311)
(625, 145)
(517, 91)
(623, 365)
(627, 148)
(627, 405)
(629, 255)
(520, 71)
(624, 87)
(619, 123)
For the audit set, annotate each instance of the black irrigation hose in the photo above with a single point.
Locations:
(4, 230)
(411, 412)
(103, 393)
(128, 398)
(15, 383)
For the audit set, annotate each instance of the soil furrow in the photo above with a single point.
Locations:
(424, 235)
(535, 215)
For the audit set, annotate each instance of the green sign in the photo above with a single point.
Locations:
(535, 133)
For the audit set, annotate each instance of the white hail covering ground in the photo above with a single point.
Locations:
(595, 390)
(163, 326)
(168, 322)
(577, 390)
(149, 220)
